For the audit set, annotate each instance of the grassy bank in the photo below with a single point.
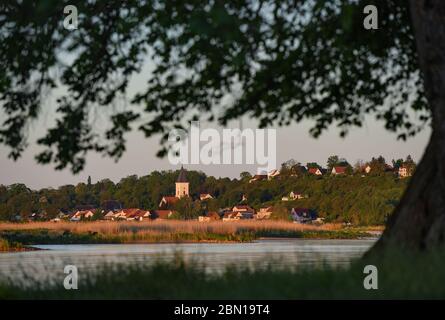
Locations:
(399, 276)
(168, 231)
(7, 246)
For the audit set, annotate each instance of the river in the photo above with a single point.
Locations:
(47, 265)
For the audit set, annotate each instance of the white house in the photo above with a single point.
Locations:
(82, 214)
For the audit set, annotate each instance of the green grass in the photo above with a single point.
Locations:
(400, 276)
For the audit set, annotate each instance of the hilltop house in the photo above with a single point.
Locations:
(315, 171)
(258, 177)
(273, 173)
(205, 196)
(303, 215)
(338, 170)
(404, 171)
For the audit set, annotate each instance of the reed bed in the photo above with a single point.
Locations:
(167, 231)
(169, 226)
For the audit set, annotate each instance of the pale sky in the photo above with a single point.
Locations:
(292, 142)
(140, 158)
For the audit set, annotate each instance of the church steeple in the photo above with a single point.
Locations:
(182, 184)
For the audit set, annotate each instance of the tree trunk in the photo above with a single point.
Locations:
(419, 220)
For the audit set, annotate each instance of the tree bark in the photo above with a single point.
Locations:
(419, 220)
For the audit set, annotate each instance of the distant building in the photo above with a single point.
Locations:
(205, 196)
(243, 211)
(315, 171)
(168, 202)
(273, 173)
(264, 213)
(338, 170)
(258, 177)
(82, 215)
(405, 172)
(182, 185)
(210, 216)
(303, 215)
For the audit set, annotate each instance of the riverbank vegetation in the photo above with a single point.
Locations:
(398, 278)
(6, 245)
(170, 231)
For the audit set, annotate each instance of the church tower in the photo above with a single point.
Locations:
(182, 185)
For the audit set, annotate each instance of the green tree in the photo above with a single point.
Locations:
(332, 162)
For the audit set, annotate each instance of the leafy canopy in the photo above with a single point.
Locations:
(276, 61)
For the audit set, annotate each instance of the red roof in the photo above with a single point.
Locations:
(340, 169)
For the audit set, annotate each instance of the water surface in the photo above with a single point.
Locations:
(47, 265)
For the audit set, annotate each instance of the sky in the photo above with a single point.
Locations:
(292, 142)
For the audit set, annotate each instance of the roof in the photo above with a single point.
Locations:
(242, 207)
(340, 169)
(182, 176)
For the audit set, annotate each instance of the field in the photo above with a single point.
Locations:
(169, 231)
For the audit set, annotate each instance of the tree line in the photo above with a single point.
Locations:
(349, 198)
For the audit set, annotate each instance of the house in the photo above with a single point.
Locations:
(258, 177)
(368, 169)
(294, 195)
(315, 171)
(264, 213)
(62, 215)
(162, 214)
(404, 172)
(168, 202)
(244, 211)
(210, 216)
(303, 215)
(337, 170)
(230, 216)
(205, 196)
(128, 214)
(139, 215)
(111, 215)
(273, 173)
(82, 215)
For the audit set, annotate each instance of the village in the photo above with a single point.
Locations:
(112, 210)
